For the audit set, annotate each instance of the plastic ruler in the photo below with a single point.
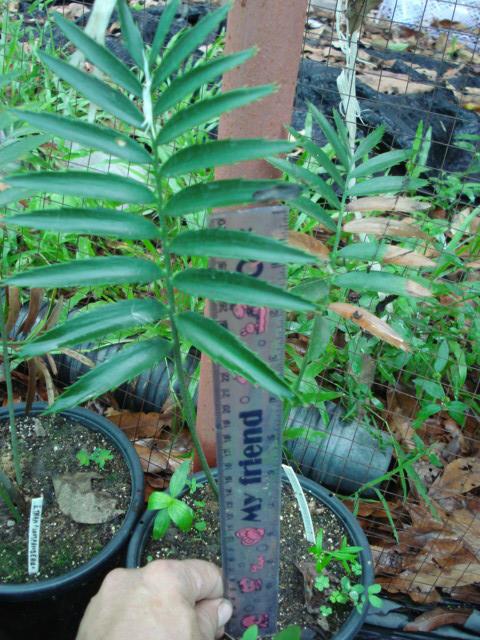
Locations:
(248, 427)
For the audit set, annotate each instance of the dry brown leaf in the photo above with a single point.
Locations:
(407, 584)
(406, 257)
(473, 265)
(384, 227)
(468, 593)
(437, 618)
(154, 461)
(460, 476)
(308, 243)
(55, 315)
(157, 482)
(400, 204)
(401, 427)
(14, 307)
(387, 81)
(36, 296)
(42, 367)
(369, 322)
(139, 425)
(72, 10)
(417, 290)
(76, 355)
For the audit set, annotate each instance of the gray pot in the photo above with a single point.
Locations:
(347, 456)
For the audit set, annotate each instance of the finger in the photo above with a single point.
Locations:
(212, 616)
(200, 580)
(191, 580)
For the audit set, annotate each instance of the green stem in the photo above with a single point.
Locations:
(338, 231)
(188, 406)
(11, 413)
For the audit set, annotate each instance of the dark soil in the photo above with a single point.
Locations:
(48, 448)
(296, 604)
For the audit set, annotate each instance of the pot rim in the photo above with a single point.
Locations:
(89, 419)
(358, 538)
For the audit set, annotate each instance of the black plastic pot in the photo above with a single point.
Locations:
(353, 624)
(53, 608)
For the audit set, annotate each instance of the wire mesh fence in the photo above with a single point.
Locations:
(391, 412)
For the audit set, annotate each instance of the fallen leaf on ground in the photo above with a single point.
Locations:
(369, 322)
(393, 83)
(406, 257)
(384, 227)
(138, 424)
(460, 476)
(400, 204)
(308, 243)
(437, 618)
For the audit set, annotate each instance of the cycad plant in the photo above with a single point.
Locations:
(155, 104)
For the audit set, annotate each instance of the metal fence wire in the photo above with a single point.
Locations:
(393, 428)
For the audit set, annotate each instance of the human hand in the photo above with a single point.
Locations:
(166, 600)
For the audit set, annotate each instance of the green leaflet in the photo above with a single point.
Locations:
(88, 273)
(88, 135)
(127, 364)
(95, 324)
(96, 222)
(315, 211)
(384, 185)
(363, 251)
(224, 193)
(380, 163)
(95, 90)
(187, 44)
(308, 177)
(369, 143)
(163, 27)
(235, 287)
(226, 349)
(84, 184)
(100, 56)
(319, 154)
(206, 110)
(186, 84)
(218, 152)
(223, 243)
(380, 281)
(336, 141)
(130, 33)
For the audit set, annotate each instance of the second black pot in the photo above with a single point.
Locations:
(353, 624)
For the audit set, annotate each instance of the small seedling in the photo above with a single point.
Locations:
(99, 456)
(290, 633)
(346, 555)
(170, 508)
(326, 611)
(322, 583)
(357, 594)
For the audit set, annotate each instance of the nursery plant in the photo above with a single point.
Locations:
(158, 87)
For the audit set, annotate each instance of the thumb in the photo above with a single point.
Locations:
(212, 616)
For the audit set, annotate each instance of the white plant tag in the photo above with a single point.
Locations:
(34, 535)
(302, 503)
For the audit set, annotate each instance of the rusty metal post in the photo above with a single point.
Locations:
(276, 27)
